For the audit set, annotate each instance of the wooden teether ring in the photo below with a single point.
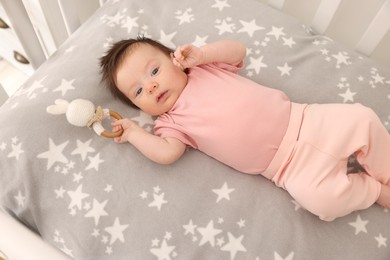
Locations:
(116, 133)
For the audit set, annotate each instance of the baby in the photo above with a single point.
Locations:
(201, 101)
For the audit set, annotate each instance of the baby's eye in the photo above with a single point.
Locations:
(154, 71)
(138, 92)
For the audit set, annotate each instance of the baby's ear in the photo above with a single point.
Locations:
(60, 107)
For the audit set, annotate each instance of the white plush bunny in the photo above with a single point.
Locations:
(82, 112)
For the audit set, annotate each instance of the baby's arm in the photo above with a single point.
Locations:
(157, 149)
(226, 51)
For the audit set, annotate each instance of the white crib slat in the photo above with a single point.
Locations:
(324, 15)
(377, 29)
(278, 4)
(70, 16)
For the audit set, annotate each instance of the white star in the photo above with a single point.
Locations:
(143, 119)
(185, 17)
(65, 86)
(220, 4)
(158, 201)
(234, 245)
(77, 197)
(83, 149)
(359, 225)
(241, 223)
(97, 211)
(94, 162)
(20, 199)
(199, 41)
(16, 151)
(225, 27)
(381, 240)
(341, 59)
(378, 78)
(277, 32)
(164, 252)
(54, 154)
(77, 177)
(59, 192)
(285, 69)
(166, 39)
(189, 228)
(36, 85)
(256, 64)
(348, 95)
(114, 20)
(288, 41)
(108, 188)
(250, 27)
(116, 231)
(130, 23)
(208, 234)
(278, 257)
(3, 146)
(223, 192)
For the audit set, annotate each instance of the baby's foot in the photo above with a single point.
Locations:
(384, 197)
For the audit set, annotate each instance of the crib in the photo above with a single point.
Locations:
(66, 193)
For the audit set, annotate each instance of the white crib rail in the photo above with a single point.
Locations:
(372, 35)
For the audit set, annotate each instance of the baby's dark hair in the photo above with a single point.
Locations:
(114, 57)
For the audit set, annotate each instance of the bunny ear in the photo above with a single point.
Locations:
(59, 108)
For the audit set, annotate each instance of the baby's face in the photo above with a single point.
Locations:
(150, 80)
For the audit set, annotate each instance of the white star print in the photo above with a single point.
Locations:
(189, 228)
(341, 58)
(116, 231)
(185, 17)
(359, 225)
(223, 192)
(234, 245)
(143, 119)
(277, 32)
(166, 39)
(36, 85)
(16, 151)
(65, 86)
(208, 234)
(220, 4)
(348, 95)
(114, 20)
(130, 23)
(94, 162)
(20, 199)
(54, 154)
(83, 149)
(378, 78)
(285, 69)
(158, 201)
(164, 252)
(256, 64)
(381, 240)
(225, 27)
(77, 197)
(278, 257)
(288, 41)
(199, 41)
(250, 27)
(97, 211)
(59, 192)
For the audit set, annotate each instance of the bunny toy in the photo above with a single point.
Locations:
(82, 112)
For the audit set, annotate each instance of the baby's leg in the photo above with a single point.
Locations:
(384, 196)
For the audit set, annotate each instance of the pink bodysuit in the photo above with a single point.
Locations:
(301, 148)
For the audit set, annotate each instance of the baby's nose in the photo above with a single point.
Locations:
(152, 86)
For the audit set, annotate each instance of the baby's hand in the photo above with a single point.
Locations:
(128, 126)
(187, 56)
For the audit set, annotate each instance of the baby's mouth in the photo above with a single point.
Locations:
(161, 96)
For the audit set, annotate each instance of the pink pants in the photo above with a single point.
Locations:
(311, 163)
